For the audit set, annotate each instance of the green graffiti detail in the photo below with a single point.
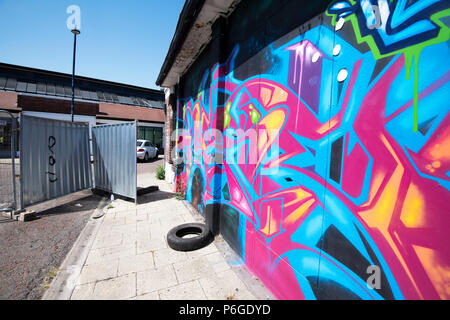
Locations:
(255, 114)
(411, 53)
(227, 117)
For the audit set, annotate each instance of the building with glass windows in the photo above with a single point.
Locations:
(48, 94)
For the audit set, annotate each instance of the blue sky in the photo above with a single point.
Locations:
(124, 41)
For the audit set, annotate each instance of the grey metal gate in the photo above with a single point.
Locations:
(114, 150)
(54, 159)
(8, 146)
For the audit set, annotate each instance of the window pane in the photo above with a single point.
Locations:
(41, 88)
(77, 93)
(93, 95)
(11, 84)
(31, 87)
(108, 97)
(149, 134)
(51, 89)
(21, 86)
(141, 133)
(125, 100)
(158, 137)
(60, 90)
(68, 91)
(100, 95)
(85, 94)
(2, 82)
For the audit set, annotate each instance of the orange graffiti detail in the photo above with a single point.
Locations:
(438, 272)
(299, 212)
(413, 208)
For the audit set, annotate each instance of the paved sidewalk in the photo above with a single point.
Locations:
(127, 257)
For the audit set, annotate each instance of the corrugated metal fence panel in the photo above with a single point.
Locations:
(114, 148)
(8, 165)
(54, 159)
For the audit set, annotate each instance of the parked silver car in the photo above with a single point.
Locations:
(145, 150)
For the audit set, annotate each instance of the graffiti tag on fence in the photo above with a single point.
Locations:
(51, 159)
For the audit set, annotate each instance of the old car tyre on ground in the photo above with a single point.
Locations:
(176, 240)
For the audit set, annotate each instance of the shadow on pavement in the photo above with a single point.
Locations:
(88, 203)
(145, 195)
(149, 160)
(143, 191)
(155, 196)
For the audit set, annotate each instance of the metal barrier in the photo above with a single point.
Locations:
(54, 159)
(8, 146)
(115, 168)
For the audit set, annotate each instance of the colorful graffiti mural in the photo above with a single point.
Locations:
(336, 159)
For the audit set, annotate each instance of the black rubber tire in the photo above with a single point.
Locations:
(146, 157)
(176, 241)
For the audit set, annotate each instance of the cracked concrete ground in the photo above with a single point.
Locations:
(31, 252)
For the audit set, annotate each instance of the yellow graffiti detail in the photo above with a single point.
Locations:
(413, 208)
(271, 227)
(379, 217)
(327, 126)
(279, 95)
(438, 273)
(265, 96)
(299, 212)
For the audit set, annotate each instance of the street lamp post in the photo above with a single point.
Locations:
(75, 33)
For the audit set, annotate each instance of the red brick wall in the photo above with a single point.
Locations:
(8, 100)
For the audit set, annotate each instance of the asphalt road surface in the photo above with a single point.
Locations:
(31, 251)
(150, 166)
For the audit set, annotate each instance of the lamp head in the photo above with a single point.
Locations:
(75, 31)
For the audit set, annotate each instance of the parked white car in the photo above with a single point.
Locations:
(145, 150)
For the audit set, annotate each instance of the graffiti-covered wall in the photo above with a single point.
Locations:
(326, 149)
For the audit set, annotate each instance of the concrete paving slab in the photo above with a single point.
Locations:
(185, 291)
(136, 263)
(193, 269)
(149, 246)
(225, 285)
(110, 253)
(211, 248)
(110, 240)
(156, 279)
(168, 256)
(119, 288)
(98, 271)
(83, 292)
(132, 238)
(217, 261)
(147, 296)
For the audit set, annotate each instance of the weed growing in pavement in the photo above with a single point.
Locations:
(180, 191)
(160, 172)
